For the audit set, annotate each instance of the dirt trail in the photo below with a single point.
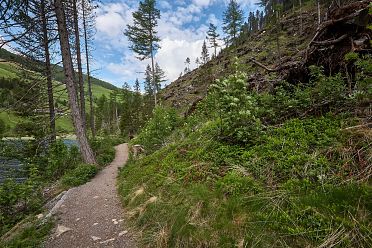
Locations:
(91, 215)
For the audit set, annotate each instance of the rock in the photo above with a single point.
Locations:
(115, 221)
(39, 216)
(95, 238)
(123, 233)
(137, 149)
(107, 241)
(61, 230)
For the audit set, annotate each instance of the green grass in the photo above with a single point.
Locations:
(63, 124)
(8, 70)
(79, 175)
(31, 236)
(199, 192)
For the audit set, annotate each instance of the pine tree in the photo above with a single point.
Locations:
(204, 54)
(197, 62)
(159, 77)
(187, 62)
(213, 37)
(137, 86)
(232, 21)
(149, 89)
(143, 35)
(86, 150)
(88, 26)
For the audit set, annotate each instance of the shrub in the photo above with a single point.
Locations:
(19, 199)
(104, 150)
(236, 108)
(78, 176)
(58, 159)
(2, 128)
(155, 133)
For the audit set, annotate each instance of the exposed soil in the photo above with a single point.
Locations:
(91, 215)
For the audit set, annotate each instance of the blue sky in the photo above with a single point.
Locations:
(182, 29)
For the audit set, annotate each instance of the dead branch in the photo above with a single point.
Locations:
(262, 65)
(369, 125)
(330, 42)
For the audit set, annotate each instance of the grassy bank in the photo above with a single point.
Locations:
(256, 169)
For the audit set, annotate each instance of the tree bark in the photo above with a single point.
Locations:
(78, 58)
(48, 73)
(86, 151)
(91, 106)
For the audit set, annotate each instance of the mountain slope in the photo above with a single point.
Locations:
(12, 66)
(259, 161)
(298, 49)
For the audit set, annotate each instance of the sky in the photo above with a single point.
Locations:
(182, 29)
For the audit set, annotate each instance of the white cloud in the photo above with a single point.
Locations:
(180, 36)
(202, 3)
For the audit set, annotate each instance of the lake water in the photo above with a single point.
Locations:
(12, 168)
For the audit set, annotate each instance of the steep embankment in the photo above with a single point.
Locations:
(281, 52)
(260, 162)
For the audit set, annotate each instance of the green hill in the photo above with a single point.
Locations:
(12, 66)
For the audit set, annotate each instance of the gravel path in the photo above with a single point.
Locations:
(91, 215)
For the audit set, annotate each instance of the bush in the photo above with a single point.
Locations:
(236, 108)
(155, 133)
(104, 150)
(2, 128)
(78, 176)
(59, 158)
(19, 199)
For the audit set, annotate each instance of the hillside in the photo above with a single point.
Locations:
(275, 153)
(259, 58)
(12, 66)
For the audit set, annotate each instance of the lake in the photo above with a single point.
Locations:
(12, 168)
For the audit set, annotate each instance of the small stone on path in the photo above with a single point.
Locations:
(61, 230)
(106, 241)
(123, 233)
(95, 238)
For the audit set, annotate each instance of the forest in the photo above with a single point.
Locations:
(263, 138)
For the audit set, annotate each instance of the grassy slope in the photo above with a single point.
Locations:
(190, 88)
(64, 123)
(300, 185)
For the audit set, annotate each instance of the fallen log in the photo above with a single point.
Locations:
(330, 42)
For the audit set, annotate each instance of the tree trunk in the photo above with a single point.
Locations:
(153, 76)
(301, 25)
(277, 35)
(92, 124)
(48, 73)
(78, 58)
(86, 151)
(318, 6)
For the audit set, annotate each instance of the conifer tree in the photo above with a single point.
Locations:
(187, 62)
(143, 35)
(86, 150)
(204, 54)
(197, 62)
(232, 21)
(88, 24)
(159, 77)
(213, 37)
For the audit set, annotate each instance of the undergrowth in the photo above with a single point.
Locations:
(280, 169)
(56, 166)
